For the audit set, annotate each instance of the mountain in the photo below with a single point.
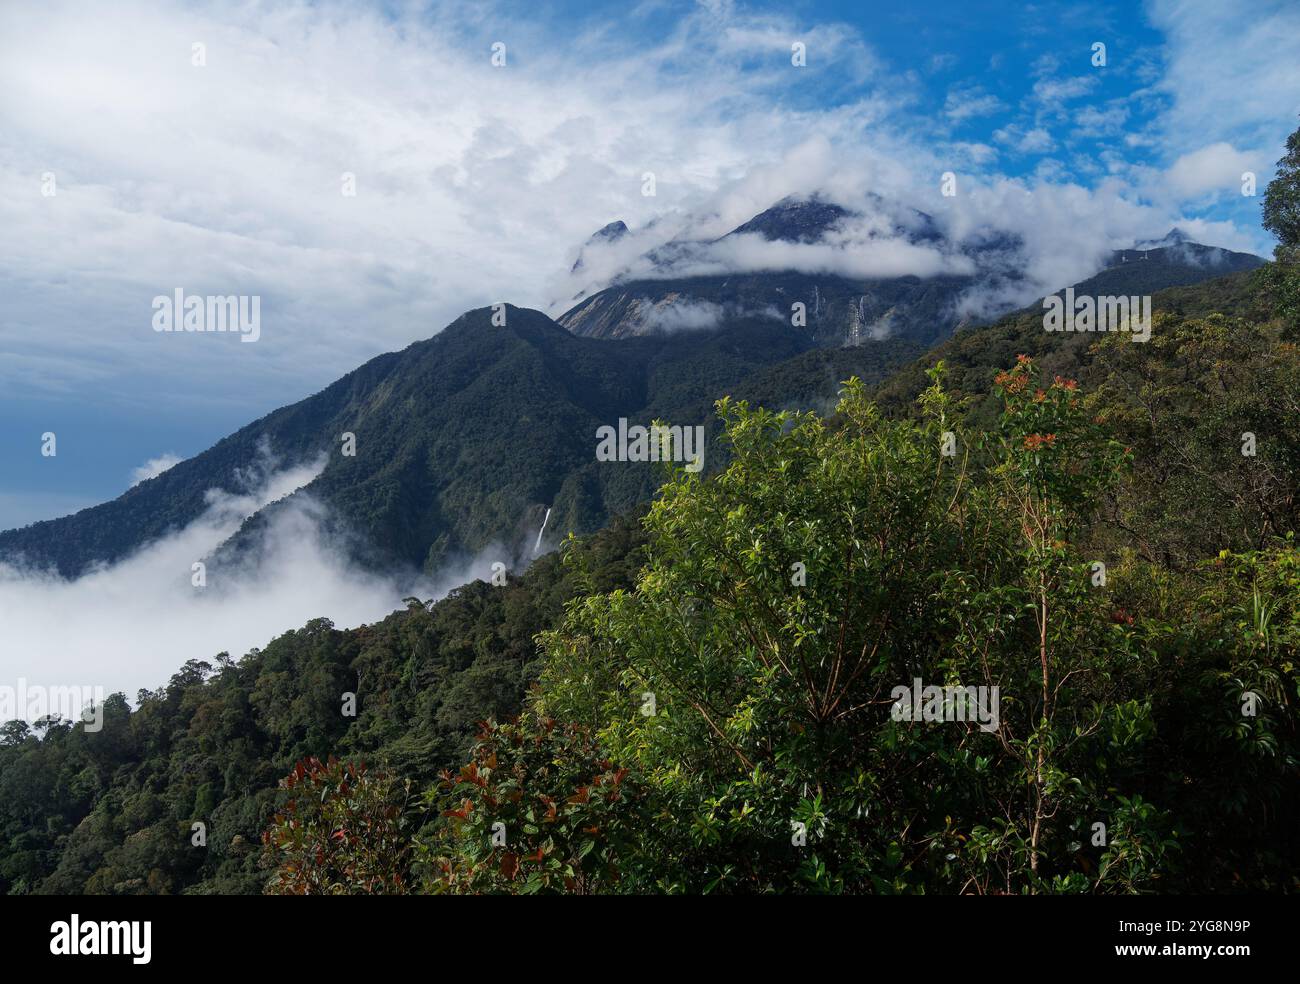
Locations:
(1174, 261)
(462, 441)
(847, 310)
(467, 439)
(610, 233)
(795, 221)
(974, 356)
(1172, 639)
(840, 310)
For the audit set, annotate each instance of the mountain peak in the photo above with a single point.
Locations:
(609, 233)
(614, 230)
(795, 220)
(1174, 237)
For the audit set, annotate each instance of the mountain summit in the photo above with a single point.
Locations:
(795, 220)
(882, 271)
(610, 233)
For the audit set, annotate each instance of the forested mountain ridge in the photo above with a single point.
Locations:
(461, 440)
(467, 438)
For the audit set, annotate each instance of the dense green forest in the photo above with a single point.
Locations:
(771, 698)
(1147, 736)
(1081, 550)
(1121, 697)
(1109, 555)
(112, 812)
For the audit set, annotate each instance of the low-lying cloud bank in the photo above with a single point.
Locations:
(133, 624)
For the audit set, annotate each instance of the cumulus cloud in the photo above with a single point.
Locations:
(1046, 258)
(967, 101)
(1217, 167)
(852, 252)
(1055, 91)
(1034, 141)
(473, 184)
(681, 314)
(1090, 121)
(470, 179)
(674, 313)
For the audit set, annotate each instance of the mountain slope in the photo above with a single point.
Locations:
(466, 439)
(1174, 261)
(461, 441)
(101, 813)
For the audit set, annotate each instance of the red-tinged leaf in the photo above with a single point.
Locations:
(510, 865)
(461, 814)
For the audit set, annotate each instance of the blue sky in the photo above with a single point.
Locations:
(477, 183)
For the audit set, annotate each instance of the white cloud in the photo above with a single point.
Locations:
(965, 102)
(471, 181)
(136, 621)
(973, 153)
(1217, 167)
(1232, 74)
(850, 254)
(681, 314)
(1053, 92)
(155, 467)
(1090, 121)
(474, 184)
(1034, 141)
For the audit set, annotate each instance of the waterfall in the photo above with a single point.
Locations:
(545, 520)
